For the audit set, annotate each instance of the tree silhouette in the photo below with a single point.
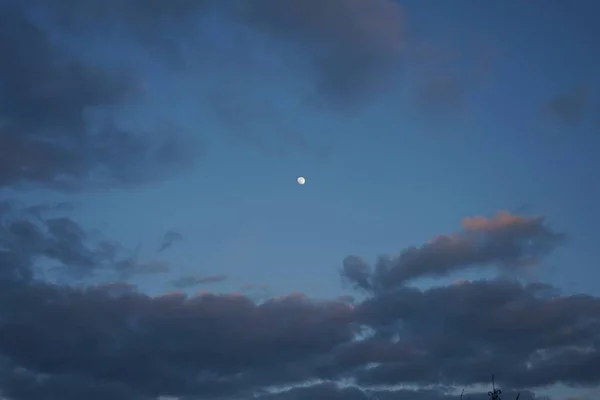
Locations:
(495, 393)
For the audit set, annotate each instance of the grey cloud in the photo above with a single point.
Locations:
(51, 136)
(346, 298)
(568, 108)
(256, 292)
(143, 19)
(37, 243)
(352, 48)
(190, 281)
(456, 334)
(38, 210)
(168, 239)
(128, 267)
(119, 342)
(47, 136)
(166, 344)
(23, 384)
(445, 77)
(358, 272)
(505, 241)
(348, 51)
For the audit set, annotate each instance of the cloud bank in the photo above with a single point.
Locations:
(401, 342)
(47, 136)
(506, 242)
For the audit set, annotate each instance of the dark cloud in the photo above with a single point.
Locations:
(168, 239)
(61, 342)
(35, 243)
(47, 100)
(146, 20)
(568, 108)
(346, 51)
(351, 48)
(23, 384)
(50, 97)
(191, 281)
(455, 334)
(169, 344)
(506, 241)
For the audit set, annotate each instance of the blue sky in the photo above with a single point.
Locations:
(461, 109)
(393, 174)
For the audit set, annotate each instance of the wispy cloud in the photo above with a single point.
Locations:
(191, 281)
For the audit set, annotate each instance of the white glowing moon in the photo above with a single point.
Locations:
(301, 180)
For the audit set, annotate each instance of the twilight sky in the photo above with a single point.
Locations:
(154, 243)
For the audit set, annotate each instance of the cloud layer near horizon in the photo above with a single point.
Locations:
(115, 340)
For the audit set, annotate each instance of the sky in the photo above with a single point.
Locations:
(155, 244)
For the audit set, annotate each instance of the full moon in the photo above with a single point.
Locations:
(301, 180)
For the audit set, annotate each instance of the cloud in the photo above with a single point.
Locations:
(47, 134)
(340, 54)
(350, 49)
(58, 125)
(333, 391)
(456, 334)
(507, 242)
(33, 243)
(190, 281)
(169, 344)
(569, 107)
(24, 384)
(98, 341)
(353, 46)
(168, 239)
(114, 340)
(445, 75)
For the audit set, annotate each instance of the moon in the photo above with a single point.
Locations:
(301, 180)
